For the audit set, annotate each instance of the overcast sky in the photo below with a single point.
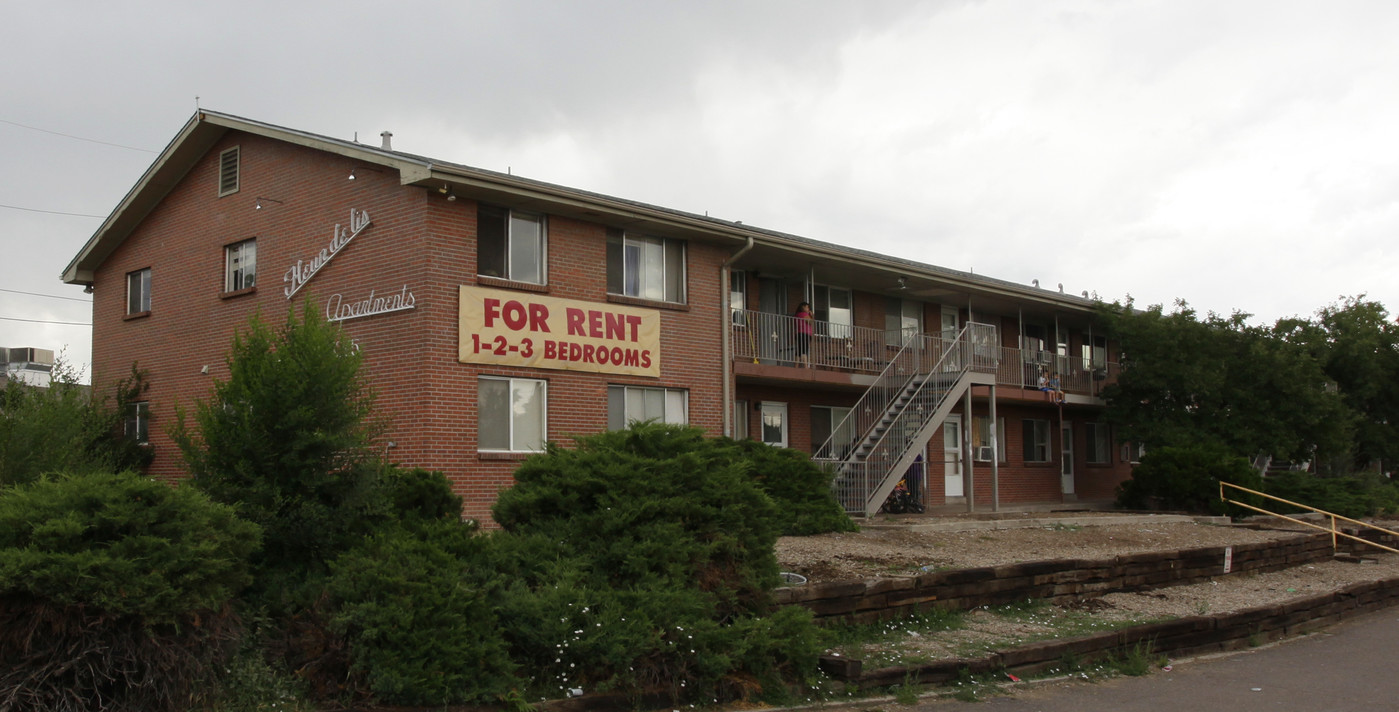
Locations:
(1241, 155)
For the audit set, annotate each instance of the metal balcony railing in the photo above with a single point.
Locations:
(773, 339)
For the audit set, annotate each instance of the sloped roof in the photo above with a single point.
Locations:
(205, 128)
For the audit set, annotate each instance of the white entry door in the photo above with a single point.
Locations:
(952, 456)
(1066, 449)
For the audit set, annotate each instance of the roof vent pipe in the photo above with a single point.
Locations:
(388, 137)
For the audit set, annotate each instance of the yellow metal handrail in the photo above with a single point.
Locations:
(1334, 531)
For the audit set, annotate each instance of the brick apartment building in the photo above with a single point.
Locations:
(495, 312)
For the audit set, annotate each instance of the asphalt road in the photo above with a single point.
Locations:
(1349, 667)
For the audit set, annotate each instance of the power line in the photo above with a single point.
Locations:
(76, 138)
(50, 212)
(45, 321)
(50, 296)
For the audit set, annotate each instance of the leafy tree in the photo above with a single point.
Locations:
(62, 428)
(1357, 343)
(287, 440)
(1219, 381)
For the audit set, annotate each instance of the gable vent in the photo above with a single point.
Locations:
(228, 172)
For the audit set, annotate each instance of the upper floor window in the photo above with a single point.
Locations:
(1095, 352)
(645, 267)
(738, 295)
(138, 291)
(137, 421)
(510, 414)
(832, 307)
(240, 265)
(628, 404)
(228, 172)
(903, 318)
(510, 244)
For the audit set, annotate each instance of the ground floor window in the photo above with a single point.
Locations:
(828, 420)
(629, 404)
(981, 439)
(138, 418)
(1099, 443)
(741, 431)
(511, 414)
(1036, 434)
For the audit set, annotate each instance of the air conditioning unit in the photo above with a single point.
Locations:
(984, 453)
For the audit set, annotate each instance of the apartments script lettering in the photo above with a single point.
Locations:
(337, 309)
(302, 272)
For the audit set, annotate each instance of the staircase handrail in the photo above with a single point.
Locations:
(868, 466)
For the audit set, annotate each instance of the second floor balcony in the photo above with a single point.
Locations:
(780, 340)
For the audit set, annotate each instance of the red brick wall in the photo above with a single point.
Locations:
(418, 239)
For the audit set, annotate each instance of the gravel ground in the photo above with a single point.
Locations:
(877, 552)
(890, 552)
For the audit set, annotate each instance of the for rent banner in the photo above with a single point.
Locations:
(505, 328)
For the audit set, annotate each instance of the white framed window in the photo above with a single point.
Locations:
(828, 420)
(138, 291)
(902, 318)
(511, 414)
(1099, 443)
(738, 295)
(981, 439)
(137, 421)
(645, 267)
(1131, 454)
(740, 424)
(833, 310)
(510, 244)
(630, 404)
(240, 265)
(1036, 435)
(228, 171)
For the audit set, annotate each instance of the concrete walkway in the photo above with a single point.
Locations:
(1349, 667)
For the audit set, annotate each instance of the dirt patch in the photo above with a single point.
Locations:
(875, 553)
(879, 553)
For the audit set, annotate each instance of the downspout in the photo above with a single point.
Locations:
(726, 335)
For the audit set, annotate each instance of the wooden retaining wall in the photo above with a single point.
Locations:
(965, 589)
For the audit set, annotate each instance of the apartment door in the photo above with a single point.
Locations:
(950, 327)
(952, 457)
(770, 331)
(1066, 450)
(774, 423)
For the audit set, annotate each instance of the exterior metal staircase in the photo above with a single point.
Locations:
(892, 422)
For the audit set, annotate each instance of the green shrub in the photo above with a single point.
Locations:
(800, 489)
(643, 559)
(114, 592)
(122, 543)
(1187, 478)
(415, 606)
(1355, 496)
